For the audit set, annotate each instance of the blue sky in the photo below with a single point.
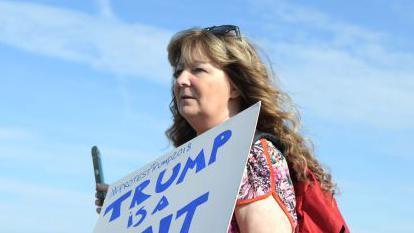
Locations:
(80, 73)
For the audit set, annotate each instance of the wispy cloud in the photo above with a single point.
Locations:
(101, 41)
(25, 190)
(347, 73)
(68, 160)
(39, 208)
(15, 134)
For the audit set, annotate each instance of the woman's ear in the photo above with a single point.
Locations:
(234, 91)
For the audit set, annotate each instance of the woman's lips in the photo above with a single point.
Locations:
(187, 97)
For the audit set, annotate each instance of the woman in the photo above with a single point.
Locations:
(217, 74)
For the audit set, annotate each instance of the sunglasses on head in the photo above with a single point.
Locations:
(223, 30)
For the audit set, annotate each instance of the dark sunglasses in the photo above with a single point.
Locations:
(223, 30)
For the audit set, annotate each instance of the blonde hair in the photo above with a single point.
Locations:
(278, 116)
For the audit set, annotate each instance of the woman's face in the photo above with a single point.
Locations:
(204, 94)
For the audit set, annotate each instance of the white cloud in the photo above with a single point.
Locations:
(347, 73)
(334, 84)
(15, 134)
(25, 190)
(40, 208)
(68, 161)
(101, 41)
(340, 71)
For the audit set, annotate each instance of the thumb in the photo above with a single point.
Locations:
(102, 187)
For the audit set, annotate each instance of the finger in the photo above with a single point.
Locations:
(98, 210)
(98, 202)
(100, 195)
(102, 187)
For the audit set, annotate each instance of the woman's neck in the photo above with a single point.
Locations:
(204, 123)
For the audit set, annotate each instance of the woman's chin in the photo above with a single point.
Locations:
(188, 112)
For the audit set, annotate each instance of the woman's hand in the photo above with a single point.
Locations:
(100, 189)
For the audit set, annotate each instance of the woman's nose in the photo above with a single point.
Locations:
(183, 78)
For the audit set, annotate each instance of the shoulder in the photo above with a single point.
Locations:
(266, 152)
(267, 175)
(265, 148)
(263, 164)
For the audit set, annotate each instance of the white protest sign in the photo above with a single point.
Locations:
(191, 189)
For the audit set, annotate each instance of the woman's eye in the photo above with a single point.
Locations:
(197, 70)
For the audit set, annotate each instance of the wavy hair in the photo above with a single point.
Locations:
(278, 116)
